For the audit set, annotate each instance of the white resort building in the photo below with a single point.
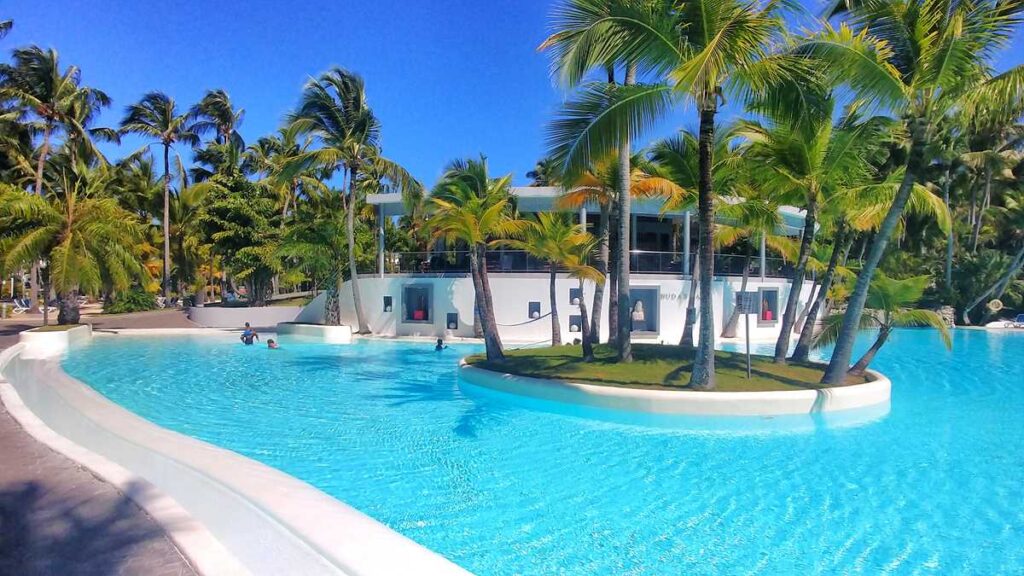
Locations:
(431, 293)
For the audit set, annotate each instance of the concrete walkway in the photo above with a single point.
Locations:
(56, 518)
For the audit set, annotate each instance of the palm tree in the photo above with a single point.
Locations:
(334, 110)
(577, 263)
(54, 98)
(544, 173)
(316, 239)
(88, 239)
(1012, 216)
(275, 158)
(889, 302)
(920, 59)
(156, 116)
(805, 162)
(216, 113)
(471, 208)
(554, 238)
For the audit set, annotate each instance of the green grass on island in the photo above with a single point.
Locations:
(56, 328)
(656, 367)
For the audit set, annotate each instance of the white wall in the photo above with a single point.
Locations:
(513, 292)
(262, 317)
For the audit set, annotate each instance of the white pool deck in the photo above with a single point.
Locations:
(232, 515)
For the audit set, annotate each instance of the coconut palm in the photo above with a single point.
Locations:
(334, 110)
(216, 113)
(157, 116)
(577, 263)
(703, 49)
(316, 240)
(544, 173)
(87, 238)
(554, 238)
(53, 100)
(920, 59)
(889, 305)
(470, 207)
(805, 162)
(274, 157)
(1012, 217)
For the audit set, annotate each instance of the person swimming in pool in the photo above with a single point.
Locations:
(440, 345)
(272, 345)
(249, 335)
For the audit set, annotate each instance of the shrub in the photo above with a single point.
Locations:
(134, 300)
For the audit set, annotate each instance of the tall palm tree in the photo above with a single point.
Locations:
(88, 239)
(805, 162)
(920, 59)
(54, 99)
(577, 263)
(554, 238)
(335, 111)
(544, 173)
(889, 303)
(157, 116)
(470, 207)
(274, 157)
(316, 239)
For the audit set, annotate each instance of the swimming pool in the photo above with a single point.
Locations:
(500, 487)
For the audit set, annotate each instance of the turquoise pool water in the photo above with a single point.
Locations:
(934, 486)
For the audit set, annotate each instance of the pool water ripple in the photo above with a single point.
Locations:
(934, 486)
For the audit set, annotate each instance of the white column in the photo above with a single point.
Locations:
(762, 256)
(583, 218)
(686, 243)
(380, 240)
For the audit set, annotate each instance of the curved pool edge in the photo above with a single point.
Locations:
(685, 402)
(263, 520)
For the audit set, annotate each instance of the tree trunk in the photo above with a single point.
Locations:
(68, 313)
(862, 364)
(803, 345)
(801, 318)
(556, 329)
(948, 269)
(729, 331)
(703, 375)
(588, 344)
(795, 287)
(976, 231)
(690, 316)
(840, 362)
(478, 269)
(166, 279)
(332, 303)
(613, 280)
(1004, 280)
(625, 348)
(33, 281)
(46, 297)
(357, 301)
(602, 267)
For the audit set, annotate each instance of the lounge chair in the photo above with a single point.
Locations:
(21, 305)
(1018, 322)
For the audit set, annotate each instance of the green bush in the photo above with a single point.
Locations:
(134, 300)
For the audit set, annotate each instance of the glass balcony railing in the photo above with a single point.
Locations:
(516, 261)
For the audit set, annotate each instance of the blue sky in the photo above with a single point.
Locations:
(448, 78)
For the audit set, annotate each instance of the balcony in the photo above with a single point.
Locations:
(515, 261)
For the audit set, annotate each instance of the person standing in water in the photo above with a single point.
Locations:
(440, 345)
(249, 335)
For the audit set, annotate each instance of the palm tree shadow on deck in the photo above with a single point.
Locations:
(44, 532)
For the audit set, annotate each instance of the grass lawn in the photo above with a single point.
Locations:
(656, 367)
(56, 328)
(297, 301)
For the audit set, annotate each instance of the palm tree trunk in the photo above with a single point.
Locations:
(602, 267)
(948, 269)
(729, 331)
(1004, 280)
(625, 349)
(690, 316)
(556, 329)
(789, 316)
(840, 362)
(33, 284)
(976, 231)
(801, 318)
(862, 364)
(478, 269)
(588, 344)
(703, 375)
(613, 279)
(357, 301)
(46, 299)
(803, 344)
(332, 304)
(167, 221)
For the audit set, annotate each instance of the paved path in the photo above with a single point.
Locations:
(56, 518)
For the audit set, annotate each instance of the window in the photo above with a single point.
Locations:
(417, 303)
(643, 309)
(768, 312)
